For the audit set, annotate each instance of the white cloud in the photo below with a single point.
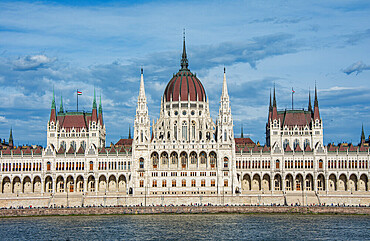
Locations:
(32, 62)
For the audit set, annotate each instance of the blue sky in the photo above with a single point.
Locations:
(87, 44)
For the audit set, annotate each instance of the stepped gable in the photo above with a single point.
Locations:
(27, 151)
(38, 151)
(7, 151)
(61, 150)
(71, 150)
(308, 148)
(266, 149)
(17, 151)
(112, 151)
(332, 148)
(298, 148)
(352, 148)
(343, 147)
(81, 150)
(288, 149)
(292, 118)
(246, 149)
(103, 151)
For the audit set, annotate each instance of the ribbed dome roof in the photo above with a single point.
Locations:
(185, 85)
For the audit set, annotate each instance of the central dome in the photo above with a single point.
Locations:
(184, 86)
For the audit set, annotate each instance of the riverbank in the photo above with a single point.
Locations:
(184, 210)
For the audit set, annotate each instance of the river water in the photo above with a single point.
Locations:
(187, 227)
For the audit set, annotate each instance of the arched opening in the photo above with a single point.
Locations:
(298, 182)
(309, 182)
(80, 184)
(48, 166)
(342, 183)
(70, 184)
(155, 159)
(48, 184)
(17, 187)
(184, 159)
(6, 185)
(320, 182)
(102, 183)
(266, 183)
(277, 182)
(91, 165)
(226, 162)
(256, 182)
(193, 158)
(332, 185)
(112, 183)
(352, 183)
(27, 185)
(141, 163)
(289, 182)
(174, 158)
(363, 183)
(277, 164)
(164, 158)
(203, 158)
(91, 184)
(246, 183)
(212, 159)
(60, 184)
(321, 164)
(122, 184)
(36, 185)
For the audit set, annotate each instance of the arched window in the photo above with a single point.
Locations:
(296, 143)
(225, 135)
(141, 136)
(226, 162)
(141, 163)
(164, 157)
(83, 144)
(73, 144)
(306, 143)
(321, 164)
(193, 158)
(286, 143)
(184, 159)
(212, 159)
(175, 131)
(203, 158)
(277, 164)
(193, 130)
(185, 131)
(63, 144)
(155, 159)
(173, 183)
(48, 166)
(174, 158)
(183, 183)
(91, 165)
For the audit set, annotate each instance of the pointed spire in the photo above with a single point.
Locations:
(362, 134)
(184, 59)
(274, 101)
(61, 109)
(53, 101)
(274, 108)
(142, 89)
(224, 86)
(129, 132)
(11, 137)
(94, 102)
(309, 101)
(100, 106)
(241, 134)
(316, 114)
(270, 106)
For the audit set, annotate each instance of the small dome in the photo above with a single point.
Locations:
(185, 85)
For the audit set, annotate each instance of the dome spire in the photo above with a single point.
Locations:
(184, 59)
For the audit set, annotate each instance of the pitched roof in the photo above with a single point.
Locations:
(288, 149)
(244, 141)
(78, 120)
(7, 151)
(298, 148)
(308, 148)
(81, 150)
(27, 151)
(293, 118)
(112, 150)
(17, 151)
(352, 148)
(246, 149)
(363, 148)
(71, 150)
(266, 149)
(61, 150)
(255, 149)
(332, 148)
(124, 142)
(102, 151)
(343, 147)
(38, 151)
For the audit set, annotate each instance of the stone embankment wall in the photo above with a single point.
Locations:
(183, 210)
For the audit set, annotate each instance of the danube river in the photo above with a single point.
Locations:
(187, 227)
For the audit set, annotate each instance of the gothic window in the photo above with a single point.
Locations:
(200, 135)
(225, 135)
(142, 136)
(193, 158)
(306, 143)
(193, 130)
(212, 159)
(183, 183)
(226, 162)
(184, 159)
(155, 159)
(164, 157)
(174, 158)
(48, 166)
(83, 144)
(91, 165)
(286, 143)
(175, 131)
(193, 183)
(63, 144)
(203, 183)
(173, 183)
(164, 183)
(141, 163)
(203, 158)
(296, 143)
(185, 131)
(73, 144)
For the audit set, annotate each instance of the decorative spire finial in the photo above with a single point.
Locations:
(316, 102)
(100, 106)
(61, 109)
(94, 102)
(274, 101)
(362, 134)
(184, 60)
(53, 102)
(309, 100)
(129, 132)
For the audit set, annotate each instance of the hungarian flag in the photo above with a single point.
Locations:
(293, 91)
(79, 92)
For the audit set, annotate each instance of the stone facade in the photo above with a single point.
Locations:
(185, 157)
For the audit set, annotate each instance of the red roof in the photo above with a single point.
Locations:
(363, 148)
(102, 151)
(297, 148)
(295, 118)
(71, 150)
(7, 151)
(61, 150)
(244, 141)
(81, 150)
(27, 151)
(287, 148)
(352, 148)
(308, 148)
(185, 84)
(38, 151)
(112, 150)
(124, 142)
(266, 149)
(77, 121)
(255, 149)
(332, 148)
(17, 151)
(342, 147)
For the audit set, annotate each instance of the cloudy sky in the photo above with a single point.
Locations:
(103, 45)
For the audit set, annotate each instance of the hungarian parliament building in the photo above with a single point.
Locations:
(184, 157)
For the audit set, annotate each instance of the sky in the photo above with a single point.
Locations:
(69, 45)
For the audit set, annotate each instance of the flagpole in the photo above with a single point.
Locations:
(77, 99)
